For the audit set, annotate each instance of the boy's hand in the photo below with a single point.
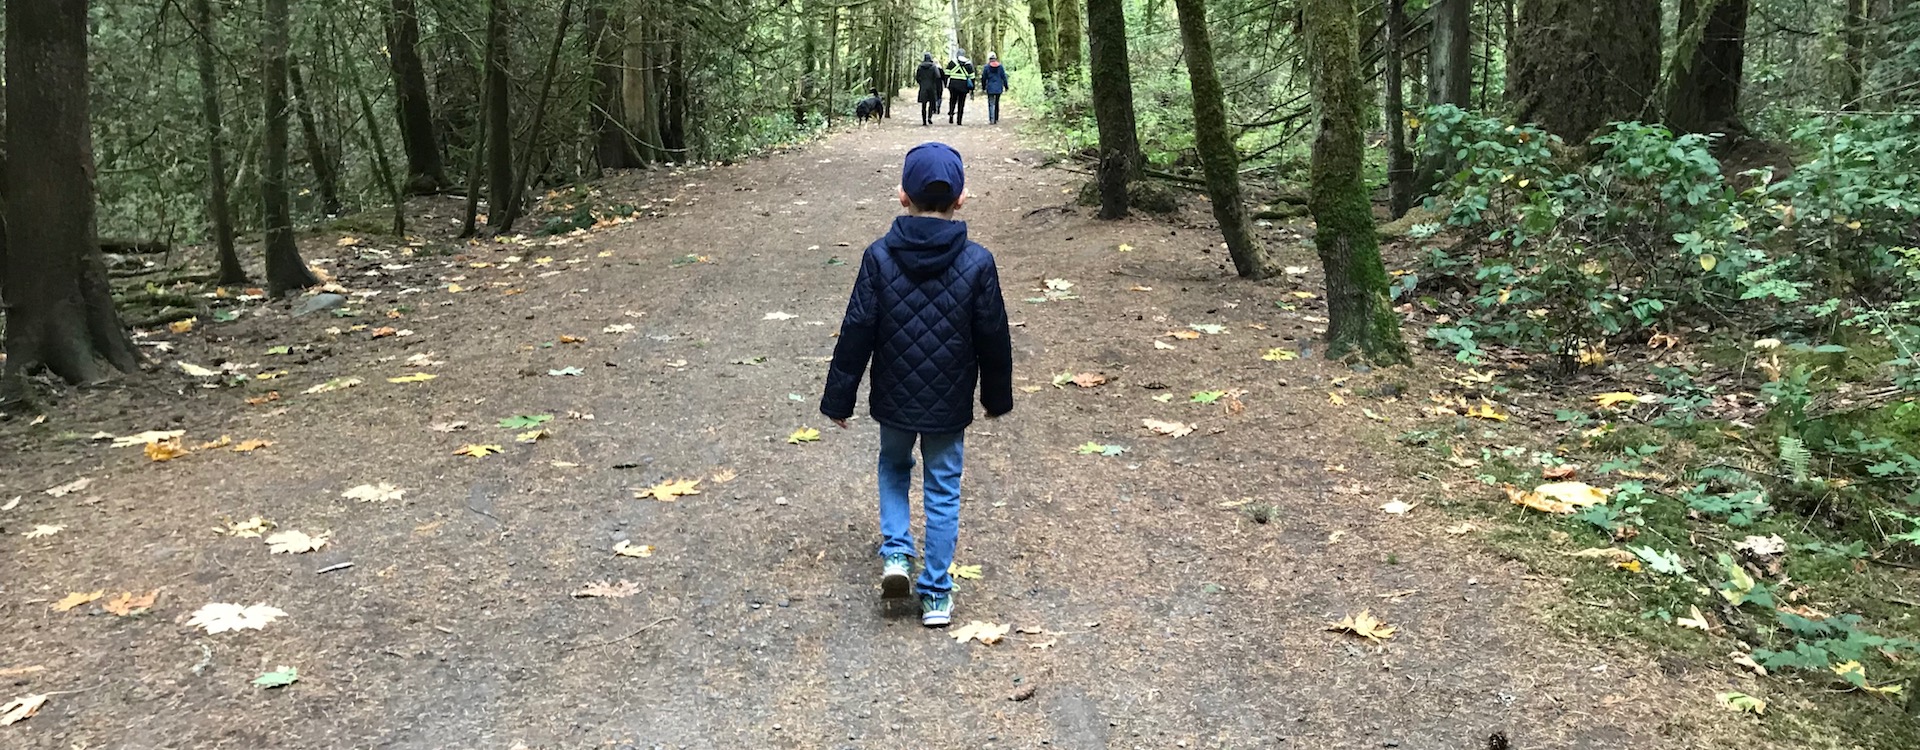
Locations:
(841, 423)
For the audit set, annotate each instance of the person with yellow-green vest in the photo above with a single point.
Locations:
(960, 75)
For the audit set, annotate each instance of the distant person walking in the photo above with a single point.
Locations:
(960, 75)
(929, 79)
(993, 81)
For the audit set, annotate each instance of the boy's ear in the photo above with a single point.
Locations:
(962, 201)
(904, 200)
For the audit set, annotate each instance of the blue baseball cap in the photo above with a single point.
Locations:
(934, 174)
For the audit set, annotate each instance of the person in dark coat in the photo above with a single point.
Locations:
(960, 74)
(928, 77)
(926, 311)
(993, 81)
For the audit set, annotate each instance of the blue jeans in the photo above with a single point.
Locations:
(944, 454)
(993, 108)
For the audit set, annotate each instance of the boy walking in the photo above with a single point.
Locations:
(927, 312)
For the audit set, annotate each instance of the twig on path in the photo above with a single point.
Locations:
(643, 629)
(332, 568)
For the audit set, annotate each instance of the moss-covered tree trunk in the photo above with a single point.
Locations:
(325, 178)
(1400, 174)
(426, 169)
(1045, 45)
(1578, 64)
(1113, 104)
(1067, 36)
(1703, 84)
(1215, 143)
(612, 149)
(1362, 320)
(219, 205)
(60, 313)
(286, 272)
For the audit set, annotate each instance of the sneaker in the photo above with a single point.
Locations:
(936, 610)
(895, 581)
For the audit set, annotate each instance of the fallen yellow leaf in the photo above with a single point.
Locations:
(985, 632)
(418, 377)
(478, 451)
(128, 604)
(1610, 400)
(629, 549)
(804, 435)
(182, 326)
(1559, 497)
(294, 542)
(167, 450)
(1365, 625)
(1486, 411)
(668, 490)
(76, 599)
(249, 446)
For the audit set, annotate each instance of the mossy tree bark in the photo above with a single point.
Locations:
(60, 313)
(286, 272)
(1215, 144)
(1361, 318)
(612, 148)
(1045, 45)
(325, 177)
(219, 205)
(1399, 159)
(500, 193)
(1578, 65)
(1066, 34)
(1113, 104)
(426, 169)
(1703, 84)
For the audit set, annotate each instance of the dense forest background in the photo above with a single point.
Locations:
(1571, 188)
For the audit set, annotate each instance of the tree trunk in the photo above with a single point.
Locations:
(1113, 104)
(673, 101)
(426, 170)
(523, 176)
(1854, 59)
(1046, 45)
(60, 312)
(1579, 65)
(612, 148)
(637, 97)
(286, 272)
(1449, 77)
(387, 181)
(1066, 30)
(499, 122)
(1703, 88)
(219, 211)
(1215, 143)
(1362, 320)
(833, 63)
(324, 177)
(1399, 159)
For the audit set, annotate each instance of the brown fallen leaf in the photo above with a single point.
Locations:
(76, 599)
(1089, 379)
(607, 590)
(385, 331)
(1365, 625)
(1023, 694)
(1563, 471)
(294, 542)
(1184, 335)
(21, 708)
(224, 441)
(1560, 497)
(1170, 429)
(985, 632)
(128, 604)
(668, 490)
(249, 446)
(166, 450)
(723, 476)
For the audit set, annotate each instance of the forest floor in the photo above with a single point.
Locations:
(1177, 594)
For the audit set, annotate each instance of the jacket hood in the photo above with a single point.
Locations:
(925, 246)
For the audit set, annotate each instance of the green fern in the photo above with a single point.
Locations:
(1795, 458)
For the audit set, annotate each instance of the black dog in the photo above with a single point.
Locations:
(869, 108)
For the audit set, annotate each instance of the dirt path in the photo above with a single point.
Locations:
(1172, 620)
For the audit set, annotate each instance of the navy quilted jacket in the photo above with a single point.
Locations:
(927, 311)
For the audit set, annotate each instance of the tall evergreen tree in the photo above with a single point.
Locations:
(1113, 104)
(286, 272)
(1215, 144)
(426, 170)
(1578, 65)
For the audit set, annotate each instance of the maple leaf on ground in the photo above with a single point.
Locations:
(724, 476)
(1170, 429)
(1398, 507)
(280, 677)
(1206, 397)
(248, 529)
(1210, 329)
(375, 493)
(128, 604)
(44, 529)
(1336, 399)
(249, 446)
(418, 377)
(294, 542)
(1184, 335)
(1611, 400)
(1610, 554)
(219, 617)
(531, 436)
(165, 451)
(525, 421)
(147, 438)
(968, 572)
(1559, 497)
(565, 339)
(76, 599)
(447, 426)
(69, 488)
(1365, 625)
(21, 708)
(1741, 702)
(1280, 355)
(385, 331)
(1563, 471)
(224, 441)
(477, 450)
(985, 632)
(668, 490)
(804, 435)
(1486, 411)
(1089, 379)
(330, 386)
(607, 590)
(628, 549)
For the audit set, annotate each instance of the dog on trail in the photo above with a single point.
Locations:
(869, 108)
